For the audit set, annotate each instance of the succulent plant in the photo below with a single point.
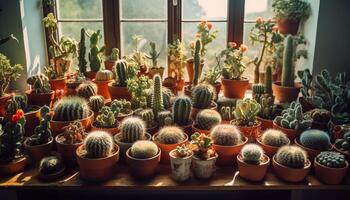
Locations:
(275, 138)
(183, 151)
(182, 110)
(98, 144)
(167, 95)
(246, 112)
(144, 149)
(74, 81)
(96, 103)
(291, 156)
(157, 96)
(86, 90)
(226, 135)
(165, 118)
(71, 109)
(132, 129)
(343, 144)
(114, 56)
(39, 84)
(50, 165)
(268, 108)
(121, 107)
(82, 51)
(202, 96)
(153, 54)
(170, 135)
(106, 119)
(8, 73)
(331, 159)
(95, 52)
(319, 115)
(207, 119)
(104, 75)
(74, 133)
(252, 153)
(42, 133)
(201, 145)
(288, 63)
(227, 113)
(258, 90)
(315, 139)
(121, 69)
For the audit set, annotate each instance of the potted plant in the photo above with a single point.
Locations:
(138, 58)
(103, 78)
(206, 120)
(111, 59)
(177, 59)
(271, 140)
(289, 13)
(139, 90)
(147, 115)
(166, 97)
(106, 121)
(320, 118)
(227, 142)
(341, 145)
(233, 83)
(51, 168)
(212, 75)
(12, 158)
(291, 164)
(86, 90)
(204, 156)
(124, 108)
(40, 93)
(40, 144)
(227, 114)
(96, 103)
(196, 68)
(330, 167)
(153, 56)
(252, 162)
(203, 96)
(308, 100)
(94, 54)
(180, 162)
(73, 82)
(167, 139)
(181, 113)
(97, 157)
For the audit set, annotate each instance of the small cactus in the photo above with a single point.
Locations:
(147, 115)
(246, 112)
(17, 102)
(71, 109)
(74, 133)
(343, 144)
(315, 139)
(165, 118)
(182, 110)
(42, 133)
(121, 69)
(170, 135)
(258, 91)
(252, 153)
(207, 119)
(114, 56)
(106, 119)
(331, 159)
(274, 138)
(86, 90)
(227, 113)
(50, 165)
(153, 54)
(122, 106)
(39, 84)
(95, 52)
(197, 62)
(268, 108)
(96, 103)
(157, 96)
(98, 144)
(144, 149)
(268, 81)
(226, 135)
(132, 129)
(202, 96)
(104, 75)
(225, 101)
(291, 156)
(82, 51)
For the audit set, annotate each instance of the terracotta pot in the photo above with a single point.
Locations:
(195, 111)
(14, 166)
(288, 26)
(154, 71)
(112, 131)
(291, 133)
(180, 167)
(290, 174)
(67, 151)
(90, 75)
(99, 169)
(37, 152)
(201, 131)
(235, 88)
(3, 103)
(166, 148)
(265, 123)
(311, 153)
(190, 68)
(251, 132)
(61, 64)
(32, 121)
(269, 150)
(40, 99)
(285, 94)
(227, 154)
(102, 88)
(119, 92)
(58, 84)
(204, 169)
(253, 172)
(180, 84)
(109, 64)
(331, 176)
(53, 176)
(143, 168)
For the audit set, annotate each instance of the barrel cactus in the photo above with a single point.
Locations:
(227, 113)
(143, 149)
(121, 69)
(182, 111)
(86, 89)
(165, 118)
(226, 135)
(106, 119)
(331, 159)
(246, 112)
(275, 138)
(170, 135)
(202, 96)
(96, 103)
(315, 139)
(132, 129)
(252, 153)
(98, 144)
(343, 144)
(104, 75)
(147, 116)
(258, 90)
(39, 84)
(122, 106)
(71, 109)
(207, 119)
(291, 156)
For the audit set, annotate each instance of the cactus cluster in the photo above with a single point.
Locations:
(42, 133)
(288, 63)
(114, 56)
(106, 119)
(226, 135)
(274, 138)
(343, 144)
(207, 119)
(165, 118)
(147, 116)
(202, 146)
(121, 107)
(319, 115)
(143, 149)
(153, 54)
(225, 101)
(86, 90)
(82, 51)
(227, 113)
(96, 103)
(196, 62)
(252, 153)
(182, 111)
(268, 108)
(39, 84)
(132, 129)
(167, 95)
(17, 102)
(71, 109)
(246, 112)
(121, 70)
(157, 96)
(202, 96)
(258, 90)
(170, 135)
(183, 151)
(104, 75)
(291, 156)
(95, 51)
(74, 133)
(98, 144)
(331, 159)
(74, 81)
(50, 165)
(315, 139)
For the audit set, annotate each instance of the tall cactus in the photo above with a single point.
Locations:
(197, 61)
(121, 71)
(95, 51)
(82, 52)
(268, 80)
(157, 96)
(182, 110)
(153, 54)
(288, 63)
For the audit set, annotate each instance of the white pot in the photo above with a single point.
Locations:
(180, 167)
(204, 168)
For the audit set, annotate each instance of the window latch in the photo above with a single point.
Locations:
(174, 2)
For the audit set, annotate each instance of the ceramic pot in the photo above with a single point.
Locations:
(288, 25)
(37, 152)
(227, 154)
(235, 88)
(204, 169)
(331, 176)
(180, 167)
(285, 94)
(40, 99)
(143, 168)
(119, 92)
(290, 174)
(253, 172)
(166, 148)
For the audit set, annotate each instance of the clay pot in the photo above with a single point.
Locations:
(288, 26)
(154, 71)
(311, 153)
(166, 148)
(180, 167)
(285, 94)
(197, 130)
(32, 121)
(102, 88)
(112, 131)
(53, 176)
(180, 84)
(331, 176)
(227, 154)
(195, 111)
(204, 169)
(90, 75)
(190, 68)
(3, 103)
(291, 133)
(67, 151)
(253, 172)
(269, 150)
(99, 169)
(58, 84)
(15, 166)
(40, 99)
(251, 132)
(119, 92)
(265, 123)
(235, 88)
(143, 168)
(290, 174)
(109, 64)
(37, 152)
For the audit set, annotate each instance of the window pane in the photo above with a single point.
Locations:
(258, 8)
(150, 31)
(204, 9)
(253, 51)
(144, 9)
(79, 9)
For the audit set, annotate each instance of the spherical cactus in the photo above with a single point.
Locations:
(182, 110)
(132, 129)
(87, 89)
(170, 135)
(104, 75)
(71, 109)
(50, 165)
(207, 119)
(291, 156)
(315, 139)
(274, 138)
(331, 159)
(202, 96)
(96, 103)
(98, 144)
(226, 135)
(143, 149)
(252, 153)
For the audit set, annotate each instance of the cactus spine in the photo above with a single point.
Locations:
(226, 135)
(291, 156)
(196, 61)
(96, 103)
(170, 135)
(147, 115)
(288, 63)
(331, 159)
(143, 149)
(165, 118)
(132, 129)
(202, 96)
(227, 113)
(87, 90)
(71, 109)
(252, 153)
(157, 96)
(315, 139)
(207, 119)
(106, 119)
(40, 84)
(182, 111)
(98, 144)
(274, 138)
(82, 52)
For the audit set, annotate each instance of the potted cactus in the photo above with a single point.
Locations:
(68, 142)
(206, 120)
(94, 54)
(118, 89)
(97, 157)
(40, 92)
(167, 139)
(252, 162)
(330, 167)
(51, 168)
(177, 59)
(96, 103)
(203, 96)
(40, 144)
(204, 156)
(73, 82)
(147, 115)
(103, 78)
(8, 73)
(194, 68)
(111, 59)
(320, 118)
(342, 145)
(12, 158)
(180, 162)
(227, 142)
(290, 163)
(86, 90)
(181, 113)
(124, 108)
(143, 158)
(227, 114)
(153, 56)
(106, 121)
(271, 140)
(138, 58)
(307, 100)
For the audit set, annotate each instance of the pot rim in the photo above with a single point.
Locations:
(106, 81)
(154, 139)
(340, 151)
(80, 155)
(330, 168)
(29, 92)
(243, 79)
(279, 84)
(231, 146)
(27, 146)
(261, 164)
(117, 140)
(64, 122)
(254, 126)
(307, 166)
(145, 159)
(63, 144)
(184, 158)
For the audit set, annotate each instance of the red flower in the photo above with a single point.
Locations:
(243, 48)
(20, 113)
(209, 25)
(15, 118)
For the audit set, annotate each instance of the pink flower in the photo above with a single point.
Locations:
(243, 48)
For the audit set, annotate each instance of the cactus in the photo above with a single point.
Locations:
(144, 149)
(74, 133)
(42, 133)
(183, 151)
(71, 109)
(39, 84)
(306, 80)
(224, 101)
(132, 129)
(288, 63)
(98, 144)
(50, 165)
(17, 102)
(170, 135)
(95, 51)
(258, 91)
(121, 69)
(202, 96)
(331, 159)
(246, 112)
(165, 118)
(104, 75)
(147, 115)
(202, 146)
(197, 62)
(157, 97)
(114, 56)
(319, 115)
(96, 103)
(74, 81)
(121, 106)
(252, 153)
(227, 113)
(268, 108)
(343, 144)
(106, 119)
(207, 119)
(291, 156)
(87, 89)
(182, 110)
(274, 138)
(153, 54)
(82, 52)
(315, 139)
(268, 81)
(167, 95)
(226, 135)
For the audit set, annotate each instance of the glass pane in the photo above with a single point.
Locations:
(253, 51)
(144, 9)
(150, 31)
(258, 8)
(204, 9)
(79, 9)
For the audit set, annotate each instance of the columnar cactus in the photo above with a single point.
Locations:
(143, 149)
(82, 51)
(274, 138)
(182, 110)
(42, 133)
(132, 129)
(153, 54)
(165, 118)
(292, 118)
(167, 95)
(121, 69)
(96, 103)
(95, 51)
(104, 75)
(258, 91)
(315, 139)
(246, 112)
(291, 156)
(170, 135)
(87, 89)
(39, 84)
(288, 63)
(268, 80)
(226, 135)
(157, 96)
(252, 153)
(17, 102)
(147, 115)
(207, 119)
(106, 119)
(202, 96)
(331, 159)
(197, 62)
(227, 113)
(71, 109)
(98, 144)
